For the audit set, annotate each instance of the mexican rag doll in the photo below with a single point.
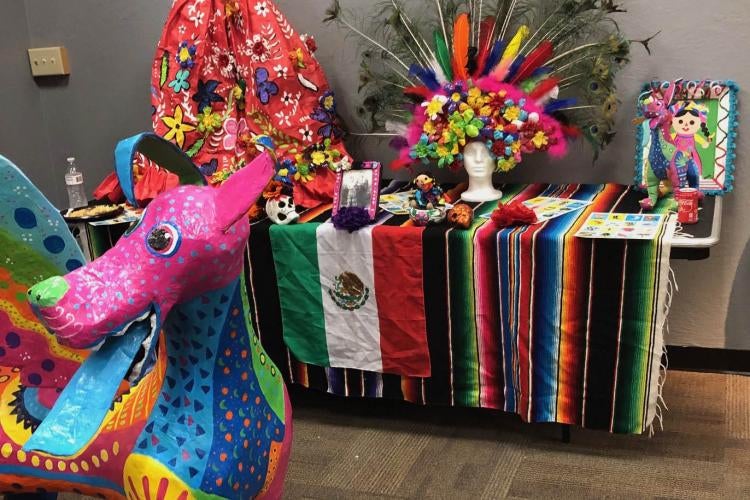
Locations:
(690, 132)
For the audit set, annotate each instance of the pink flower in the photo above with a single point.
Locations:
(234, 130)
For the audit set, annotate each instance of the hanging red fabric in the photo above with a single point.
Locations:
(227, 72)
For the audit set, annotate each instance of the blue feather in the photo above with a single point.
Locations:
(514, 67)
(541, 70)
(559, 104)
(427, 76)
(495, 55)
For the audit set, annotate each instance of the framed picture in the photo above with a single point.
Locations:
(690, 124)
(358, 187)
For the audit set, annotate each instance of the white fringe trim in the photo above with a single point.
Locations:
(661, 404)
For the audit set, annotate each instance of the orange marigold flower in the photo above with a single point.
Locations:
(273, 190)
(255, 212)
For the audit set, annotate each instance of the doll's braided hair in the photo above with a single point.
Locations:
(706, 132)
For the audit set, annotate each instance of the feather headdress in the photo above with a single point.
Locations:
(520, 75)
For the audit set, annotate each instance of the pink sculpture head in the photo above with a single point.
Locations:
(188, 241)
(655, 104)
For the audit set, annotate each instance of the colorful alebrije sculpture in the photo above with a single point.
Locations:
(178, 400)
(518, 77)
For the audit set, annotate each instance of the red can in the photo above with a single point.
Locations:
(687, 205)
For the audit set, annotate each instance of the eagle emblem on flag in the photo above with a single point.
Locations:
(348, 291)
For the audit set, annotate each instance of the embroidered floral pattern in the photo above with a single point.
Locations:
(280, 70)
(231, 72)
(265, 87)
(261, 8)
(206, 94)
(185, 54)
(180, 81)
(233, 130)
(177, 128)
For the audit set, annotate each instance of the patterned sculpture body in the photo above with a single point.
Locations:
(179, 399)
(664, 173)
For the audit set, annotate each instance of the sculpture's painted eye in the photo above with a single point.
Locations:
(163, 239)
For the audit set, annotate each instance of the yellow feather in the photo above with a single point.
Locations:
(511, 51)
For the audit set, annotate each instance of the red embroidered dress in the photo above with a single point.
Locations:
(229, 71)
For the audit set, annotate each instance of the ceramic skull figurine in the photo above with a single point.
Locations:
(281, 210)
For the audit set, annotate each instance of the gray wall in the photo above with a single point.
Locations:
(106, 97)
(23, 131)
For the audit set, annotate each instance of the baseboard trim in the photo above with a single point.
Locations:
(708, 359)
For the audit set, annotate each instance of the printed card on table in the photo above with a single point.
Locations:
(396, 203)
(547, 207)
(621, 226)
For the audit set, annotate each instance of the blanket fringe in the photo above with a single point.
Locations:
(680, 231)
(661, 404)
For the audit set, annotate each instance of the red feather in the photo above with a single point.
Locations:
(543, 87)
(534, 60)
(571, 131)
(419, 91)
(485, 44)
(461, 46)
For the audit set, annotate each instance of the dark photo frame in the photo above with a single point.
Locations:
(358, 187)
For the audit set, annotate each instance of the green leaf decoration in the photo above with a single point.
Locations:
(164, 69)
(197, 145)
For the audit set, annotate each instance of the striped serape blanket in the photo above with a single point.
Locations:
(527, 319)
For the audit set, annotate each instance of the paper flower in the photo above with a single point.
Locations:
(434, 106)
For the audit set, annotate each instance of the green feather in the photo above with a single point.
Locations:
(443, 56)
(164, 69)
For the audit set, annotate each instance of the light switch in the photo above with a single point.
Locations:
(49, 61)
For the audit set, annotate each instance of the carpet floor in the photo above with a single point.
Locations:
(371, 449)
(357, 449)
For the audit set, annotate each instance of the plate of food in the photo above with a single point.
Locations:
(92, 213)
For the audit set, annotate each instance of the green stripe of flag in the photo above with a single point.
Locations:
(296, 259)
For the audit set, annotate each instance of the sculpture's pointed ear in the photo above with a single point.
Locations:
(242, 189)
(669, 92)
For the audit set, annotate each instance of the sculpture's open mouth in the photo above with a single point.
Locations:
(128, 353)
(145, 357)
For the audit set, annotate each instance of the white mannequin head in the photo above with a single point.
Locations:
(478, 160)
(480, 166)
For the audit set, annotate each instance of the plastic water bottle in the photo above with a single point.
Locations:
(74, 183)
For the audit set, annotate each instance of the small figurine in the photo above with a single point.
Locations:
(461, 216)
(428, 194)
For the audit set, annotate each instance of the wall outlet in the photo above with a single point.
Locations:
(49, 61)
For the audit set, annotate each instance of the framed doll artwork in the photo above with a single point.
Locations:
(685, 137)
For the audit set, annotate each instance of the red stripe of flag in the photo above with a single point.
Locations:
(397, 263)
